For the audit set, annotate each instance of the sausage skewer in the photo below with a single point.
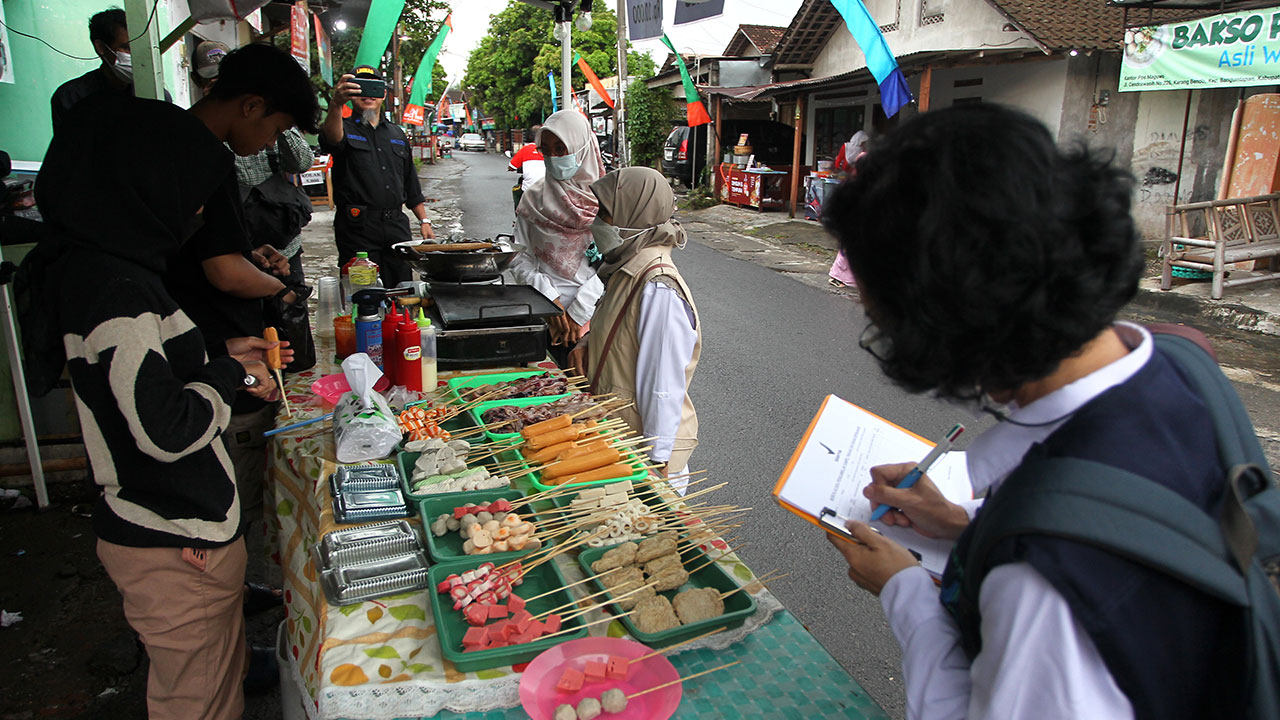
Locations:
(273, 362)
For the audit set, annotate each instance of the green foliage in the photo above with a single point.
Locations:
(649, 116)
(507, 72)
(700, 198)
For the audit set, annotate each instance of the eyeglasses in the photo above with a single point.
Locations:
(874, 341)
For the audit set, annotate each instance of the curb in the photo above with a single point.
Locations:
(1228, 315)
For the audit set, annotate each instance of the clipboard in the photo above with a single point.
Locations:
(823, 480)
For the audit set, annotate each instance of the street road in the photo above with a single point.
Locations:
(772, 349)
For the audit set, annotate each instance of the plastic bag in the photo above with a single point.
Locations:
(364, 427)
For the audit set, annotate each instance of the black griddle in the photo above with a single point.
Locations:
(489, 325)
(486, 306)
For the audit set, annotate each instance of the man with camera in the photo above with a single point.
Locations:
(373, 175)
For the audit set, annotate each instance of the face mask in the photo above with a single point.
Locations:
(609, 237)
(563, 167)
(123, 66)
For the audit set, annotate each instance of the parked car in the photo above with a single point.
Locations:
(472, 141)
(771, 142)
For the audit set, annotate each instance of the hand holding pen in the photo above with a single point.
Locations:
(903, 495)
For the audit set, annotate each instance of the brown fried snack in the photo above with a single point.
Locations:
(655, 614)
(624, 581)
(670, 579)
(656, 566)
(620, 556)
(663, 543)
(698, 604)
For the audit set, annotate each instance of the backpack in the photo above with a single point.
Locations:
(1234, 558)
(275, 210)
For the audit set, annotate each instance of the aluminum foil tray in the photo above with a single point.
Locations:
(371, 561)
(360, 506)
(382, 476)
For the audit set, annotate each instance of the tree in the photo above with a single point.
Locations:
(649, 115)
(507, 71)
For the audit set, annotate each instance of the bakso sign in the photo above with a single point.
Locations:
(1232, 50)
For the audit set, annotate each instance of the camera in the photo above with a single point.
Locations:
(371, 87)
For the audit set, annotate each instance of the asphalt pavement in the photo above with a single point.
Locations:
(773, 348)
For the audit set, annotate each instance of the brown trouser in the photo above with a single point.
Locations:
(192, 624)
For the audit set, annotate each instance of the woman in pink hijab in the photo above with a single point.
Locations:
(840, 274)
(553, 225)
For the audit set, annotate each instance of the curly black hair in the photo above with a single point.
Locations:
(984, 254)
(261, 69)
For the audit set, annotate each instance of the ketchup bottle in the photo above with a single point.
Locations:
(408, 341)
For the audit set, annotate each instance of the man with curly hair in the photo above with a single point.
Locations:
(993, 265)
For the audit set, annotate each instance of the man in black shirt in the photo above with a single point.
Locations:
(373, 175)
(109, 33)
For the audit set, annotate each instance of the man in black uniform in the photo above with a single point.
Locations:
(109, 33)
(373, 175)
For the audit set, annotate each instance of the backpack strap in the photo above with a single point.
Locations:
(1126, 515)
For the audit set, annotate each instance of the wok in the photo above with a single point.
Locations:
(463, 265)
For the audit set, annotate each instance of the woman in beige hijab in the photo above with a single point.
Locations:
(646, 337)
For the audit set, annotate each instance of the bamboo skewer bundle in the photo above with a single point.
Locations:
(553, 591)
(633, 696)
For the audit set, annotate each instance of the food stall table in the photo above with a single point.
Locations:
(381, 658)
(758, 188)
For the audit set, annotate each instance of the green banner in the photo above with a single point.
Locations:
(422, 78)
(1230, 50)
(378, 26)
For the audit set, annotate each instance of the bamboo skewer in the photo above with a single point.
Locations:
(758, 579)
(610, 618)
(575, 614)
(633, 696)
(566, 587)
(669, 648)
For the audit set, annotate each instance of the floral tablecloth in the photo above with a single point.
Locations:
(381, 659)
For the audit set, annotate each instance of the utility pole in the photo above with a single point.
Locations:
(621, 152)
(564, 15)
(397, 109)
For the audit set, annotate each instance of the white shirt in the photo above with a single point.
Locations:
(667, 336)
(532, 171)
(1037, 660)
(578, 294)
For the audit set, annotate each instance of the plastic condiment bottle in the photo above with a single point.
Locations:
(427, 342)
(409, 342)
(390, 351)
(369, 329)
(361, 273)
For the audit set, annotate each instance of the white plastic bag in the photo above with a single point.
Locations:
(364, 427)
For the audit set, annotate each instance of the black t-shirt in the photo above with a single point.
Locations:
(373, 166)
(73, 91)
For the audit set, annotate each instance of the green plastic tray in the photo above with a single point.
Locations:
(406, 460)
(470, 381)
(477, 411)
(449, 546)
(451, 626)
(737, 607)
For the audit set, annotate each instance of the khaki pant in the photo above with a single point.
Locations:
(192, 624)
(247, 449)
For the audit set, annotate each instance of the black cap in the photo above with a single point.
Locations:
(367, 71)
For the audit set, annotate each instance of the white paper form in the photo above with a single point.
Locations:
(834, 465)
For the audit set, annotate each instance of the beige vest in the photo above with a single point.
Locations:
(616, 372)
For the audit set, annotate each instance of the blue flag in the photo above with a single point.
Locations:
(555, 104)
(894, 91)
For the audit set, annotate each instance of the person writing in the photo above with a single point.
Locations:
(553, 227)
(373, 176)
(647, 337)
(992, 266)
(152, 394)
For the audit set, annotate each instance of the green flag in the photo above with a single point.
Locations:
(415, 109)
(696, 113)
(378, 26)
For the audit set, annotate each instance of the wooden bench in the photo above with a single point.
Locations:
(1211, 236)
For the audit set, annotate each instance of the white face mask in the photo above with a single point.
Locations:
(609, 237)
(123, 66)
(563, 167)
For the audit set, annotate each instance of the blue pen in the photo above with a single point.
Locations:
(923, 467)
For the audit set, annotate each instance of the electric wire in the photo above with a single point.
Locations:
(15, 31)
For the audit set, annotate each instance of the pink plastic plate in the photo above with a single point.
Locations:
(540, 698)
(332, 387)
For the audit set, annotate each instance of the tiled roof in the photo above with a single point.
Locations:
(763, 37)
(811, 27)
(1083, 24)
